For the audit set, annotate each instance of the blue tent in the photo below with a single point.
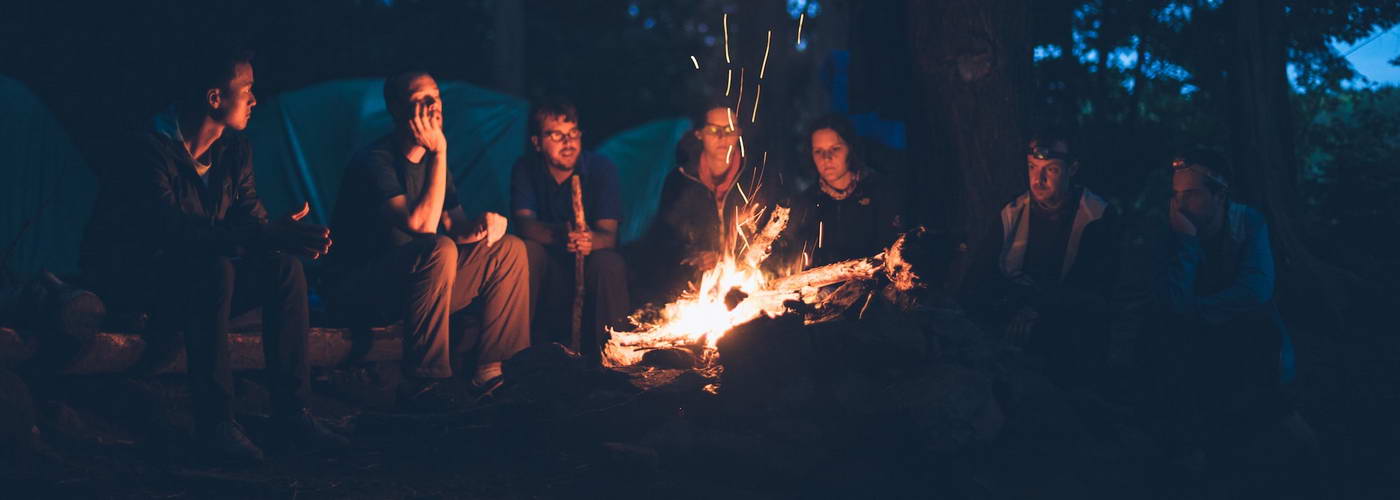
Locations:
(46, 187)
(304, 139)
(302, 142)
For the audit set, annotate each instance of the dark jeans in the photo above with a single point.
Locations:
(199, 294)
(606, 299)
(426, 280)
(1216, 384)
(1073, 347)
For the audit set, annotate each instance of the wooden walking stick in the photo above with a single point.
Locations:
(580, 224)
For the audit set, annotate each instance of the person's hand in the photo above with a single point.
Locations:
(1018, 330)
(290, 234)
(1179, 222)
(580, 242)
(703, 261)
(426, 125)
(495, 226)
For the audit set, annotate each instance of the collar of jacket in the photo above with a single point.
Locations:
(1015, 231)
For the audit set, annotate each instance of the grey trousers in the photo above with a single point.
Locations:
(427, 280)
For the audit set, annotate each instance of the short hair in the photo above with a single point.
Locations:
(1215, 161)
(549, 107)
(212, 69)
(838, 123)
(397, 83)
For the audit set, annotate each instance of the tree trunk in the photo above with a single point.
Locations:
(508, 47)
(972, 60)
(1266, 168)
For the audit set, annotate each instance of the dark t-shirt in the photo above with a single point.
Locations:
(862, 224)
(361, 228)
(1048, 239)
(533, 188)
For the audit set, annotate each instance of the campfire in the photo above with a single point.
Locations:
(736, 290)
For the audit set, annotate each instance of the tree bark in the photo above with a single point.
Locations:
(973, 60)
(1266, 168)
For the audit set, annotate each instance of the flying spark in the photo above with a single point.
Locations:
(766, 45)
(695, 61)
(728, 80)
(741, 147)
(757, 94)
(799, 35)
(726, 37)
(821, 229)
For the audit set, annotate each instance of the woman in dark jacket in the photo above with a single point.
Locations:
(713, 187)
(852, 211)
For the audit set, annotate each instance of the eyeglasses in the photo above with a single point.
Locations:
(1184, 163)
(1045, 153)
(557, 136)
(720, 131)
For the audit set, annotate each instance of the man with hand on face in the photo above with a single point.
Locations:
(181, 233)
(542, 203)
(1050, 266)
(408, 251)
(1217, 355)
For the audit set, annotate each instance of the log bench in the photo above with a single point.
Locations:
(111, 352)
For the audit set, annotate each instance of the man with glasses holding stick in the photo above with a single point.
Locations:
(1048, 267)
(543, 205)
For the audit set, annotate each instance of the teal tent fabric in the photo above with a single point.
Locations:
(302, 142)
(644, 157)
(44, 184)
(304, 139)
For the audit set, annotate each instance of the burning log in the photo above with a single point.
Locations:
(830, 274)
(701, 318)
(762, 243)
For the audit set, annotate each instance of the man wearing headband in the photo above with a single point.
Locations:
(1217, 354)
(1045, 270)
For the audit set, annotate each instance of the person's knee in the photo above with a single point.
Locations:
(512, 251)
(606, 263)
(288, 270)
(210, 274)
(436, 254)
(536, 254)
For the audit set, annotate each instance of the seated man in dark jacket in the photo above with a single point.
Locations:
(1046, 270)
(180, 232)
(407, 250)
(1216, 355)
(541, 200)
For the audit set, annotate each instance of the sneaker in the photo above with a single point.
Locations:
(484, 391)
(300, 428)
(226, 440)
(427, 396)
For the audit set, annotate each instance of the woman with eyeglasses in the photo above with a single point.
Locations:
(719, 188)
(851, 212)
